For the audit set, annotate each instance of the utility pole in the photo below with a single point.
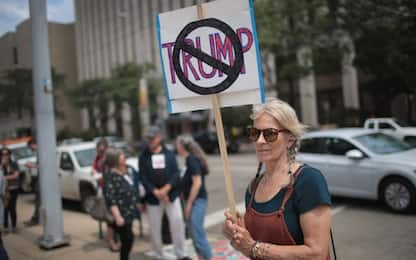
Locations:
(51, 204)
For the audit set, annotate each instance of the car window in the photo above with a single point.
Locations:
(66, 162)
(382, 144)
(85, 157)
(313, 145)
(371, 125)
(340, 146)
(385, 126)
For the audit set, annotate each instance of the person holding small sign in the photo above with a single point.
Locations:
(159, 174)
(288, 214)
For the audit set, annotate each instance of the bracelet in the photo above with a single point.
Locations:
(251, 253)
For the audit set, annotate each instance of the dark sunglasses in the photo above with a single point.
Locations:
(269, 134)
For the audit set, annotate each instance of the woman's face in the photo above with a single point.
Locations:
(5, 157)
(179, 147)
(269, 151)
(122, 160)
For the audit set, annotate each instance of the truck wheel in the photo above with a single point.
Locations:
(87, 200)
(398, 194)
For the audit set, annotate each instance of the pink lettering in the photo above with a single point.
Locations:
(200, 63)
(186, 62)
(170, 46)
(249, 35)
(224, 50)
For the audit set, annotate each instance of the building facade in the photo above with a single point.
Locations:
(16, 52)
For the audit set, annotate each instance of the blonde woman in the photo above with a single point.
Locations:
(288, 213)
(194, 193)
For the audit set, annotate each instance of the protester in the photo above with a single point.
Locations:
(11, 175)
(194, 193)
(3, 253)
(288, 213)
(34, 220)
(121, 198)
(160, 176)
(99, 168)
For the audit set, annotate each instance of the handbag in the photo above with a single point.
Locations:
(99, 210)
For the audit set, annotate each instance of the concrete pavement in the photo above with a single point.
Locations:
(85, 241)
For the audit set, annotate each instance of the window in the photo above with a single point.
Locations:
(385, 126)
(340, 147)
(313, 145)
(66, 162)
(85, 157)
(382, 144)
(371, 125)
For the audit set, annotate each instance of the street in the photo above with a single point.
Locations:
(362, 229)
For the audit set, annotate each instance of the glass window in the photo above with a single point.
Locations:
(22, 152)
(85, 157)
(340, 146)
(313, 145)
(386, 126)
(382, 144)
(371, 125)
(66, 162)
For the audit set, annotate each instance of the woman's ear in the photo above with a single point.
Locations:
(291, 141)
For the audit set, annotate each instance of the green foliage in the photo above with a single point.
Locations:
(16, 91)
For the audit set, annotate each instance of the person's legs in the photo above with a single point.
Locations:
(34, 220)
(155, 213)
(197, 231)
(177, 227)
(126, 238)
(6, 215)
(13, 201)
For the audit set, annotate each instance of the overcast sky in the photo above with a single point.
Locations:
(13, 12)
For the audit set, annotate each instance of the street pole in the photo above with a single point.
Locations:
(51, 204)
(144, 104)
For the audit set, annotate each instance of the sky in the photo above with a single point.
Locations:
(13, 12)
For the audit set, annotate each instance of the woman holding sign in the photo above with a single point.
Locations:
(288, 214)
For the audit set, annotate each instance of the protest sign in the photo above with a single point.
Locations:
(215, 54)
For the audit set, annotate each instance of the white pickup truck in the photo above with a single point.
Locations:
(393, 127)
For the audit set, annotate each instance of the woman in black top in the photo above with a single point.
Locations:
(194, 193)
(121, 199)
(11, 175)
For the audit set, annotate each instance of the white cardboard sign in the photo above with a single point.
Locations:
(247, 88)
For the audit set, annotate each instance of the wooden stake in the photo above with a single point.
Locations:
(221, 140)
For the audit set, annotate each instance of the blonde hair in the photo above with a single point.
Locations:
(286, 116)
(193, 147)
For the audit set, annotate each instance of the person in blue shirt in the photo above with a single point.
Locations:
(194, 193)
(159, 174)
(288, 214)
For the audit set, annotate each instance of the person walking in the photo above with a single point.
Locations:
(194, 193)
(11, 175)
(121, 198)
(159, 174)
(34, 220)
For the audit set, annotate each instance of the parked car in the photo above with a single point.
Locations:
(393, 127)
(209, 142)
(74, 170)
(362, 163)
(22, 154)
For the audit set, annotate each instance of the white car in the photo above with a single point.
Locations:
(74, 170)
(392, 127)
(363, 163)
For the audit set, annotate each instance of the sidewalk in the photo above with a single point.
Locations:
(85, 242)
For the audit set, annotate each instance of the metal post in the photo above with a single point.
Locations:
(51, 208)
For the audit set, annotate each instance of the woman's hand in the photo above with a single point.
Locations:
(119, 221)
(235, 231)
(188, 209)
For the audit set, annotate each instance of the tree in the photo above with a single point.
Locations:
(385, 39)
(16, 91)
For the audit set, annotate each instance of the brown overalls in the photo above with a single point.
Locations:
(270, 227)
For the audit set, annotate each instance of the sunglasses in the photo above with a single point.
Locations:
(269, 134)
